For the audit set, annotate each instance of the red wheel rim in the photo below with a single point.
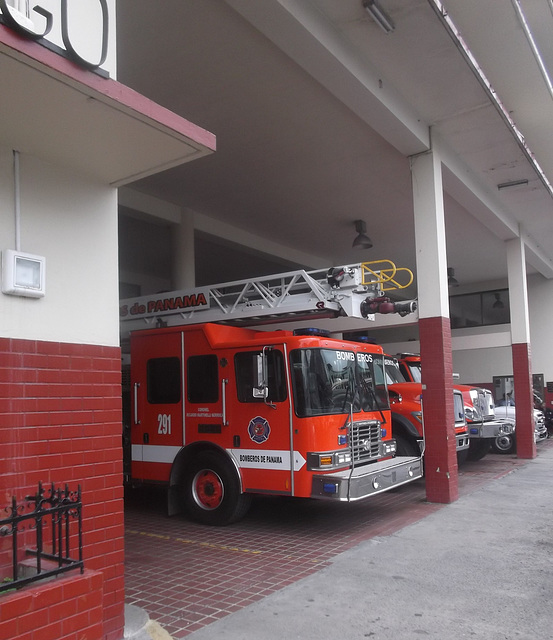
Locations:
(208, 489)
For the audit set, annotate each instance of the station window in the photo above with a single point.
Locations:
(163, 380)
(479, 309)
(246, 367)
(203, 379)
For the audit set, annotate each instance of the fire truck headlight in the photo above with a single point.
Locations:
(328, 460)
(343, 458)
(389, 448)
(506, 428)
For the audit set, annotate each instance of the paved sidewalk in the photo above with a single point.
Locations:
(481, 567)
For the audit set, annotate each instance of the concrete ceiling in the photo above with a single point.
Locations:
(316, 111)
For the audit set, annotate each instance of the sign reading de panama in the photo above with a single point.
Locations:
(164, 304)
(81, 27)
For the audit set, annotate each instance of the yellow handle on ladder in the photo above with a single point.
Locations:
(386, 275)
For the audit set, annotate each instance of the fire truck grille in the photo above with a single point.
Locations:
(365, 437)
(485, 404)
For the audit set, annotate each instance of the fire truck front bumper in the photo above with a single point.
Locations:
(462, 441)
(491, 429)
(367, 480)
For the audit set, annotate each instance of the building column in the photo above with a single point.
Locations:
(434, 329)
(184, 269)
(520, 341)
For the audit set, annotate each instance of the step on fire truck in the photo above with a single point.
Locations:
(219, 412)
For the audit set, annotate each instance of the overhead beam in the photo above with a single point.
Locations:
(168, 212)
(315, 44)
(467, 189)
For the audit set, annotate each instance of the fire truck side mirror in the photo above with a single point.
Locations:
(261, 390)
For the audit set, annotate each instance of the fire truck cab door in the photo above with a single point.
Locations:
(156, 404)
(260, 422)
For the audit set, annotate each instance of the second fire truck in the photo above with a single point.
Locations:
(484, 429)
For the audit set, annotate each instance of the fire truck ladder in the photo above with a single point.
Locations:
(355, 290)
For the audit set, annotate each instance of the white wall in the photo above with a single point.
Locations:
(540, 302)
(72, 222)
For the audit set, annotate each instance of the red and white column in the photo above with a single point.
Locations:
(520, 341)
(434, 329)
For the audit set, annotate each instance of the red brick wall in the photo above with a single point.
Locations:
(60, 422)
(442, 482)
(67, 608)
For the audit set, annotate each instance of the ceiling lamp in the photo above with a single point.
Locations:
(498, 304)
(513, 183)
(378, 14)
(362, 240)
(451, 279)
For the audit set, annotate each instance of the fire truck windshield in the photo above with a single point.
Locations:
(415, 370)
(329, 381)
(393, 373)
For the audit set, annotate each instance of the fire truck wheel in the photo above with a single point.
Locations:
(406, 447)
(504, 444)
(478, 449)
(462, 456)
(211, 491)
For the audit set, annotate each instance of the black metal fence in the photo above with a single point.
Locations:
(43, 528)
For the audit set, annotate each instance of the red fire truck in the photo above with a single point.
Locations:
(220, 412)
(407, 413)
(483, 427)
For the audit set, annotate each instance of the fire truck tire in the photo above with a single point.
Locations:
(462, 456)
(478, 449)
(406, 447)
(504, 444)
(211, 491)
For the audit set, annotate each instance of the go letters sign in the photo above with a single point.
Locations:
(45, 20)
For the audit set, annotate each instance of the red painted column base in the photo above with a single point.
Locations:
(442, 481)
(524, 401)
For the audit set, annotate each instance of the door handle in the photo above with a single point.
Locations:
(224, 383)
(136, 387)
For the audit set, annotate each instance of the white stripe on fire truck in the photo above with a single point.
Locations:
(265, 459)
(154, 453)
(246, 458)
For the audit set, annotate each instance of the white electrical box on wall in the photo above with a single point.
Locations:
(23, 274)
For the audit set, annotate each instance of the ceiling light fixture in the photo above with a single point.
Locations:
(378, 14)
(362, 240)
(513, 183)
(451, 279)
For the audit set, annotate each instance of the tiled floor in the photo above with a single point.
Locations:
(187, 576)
